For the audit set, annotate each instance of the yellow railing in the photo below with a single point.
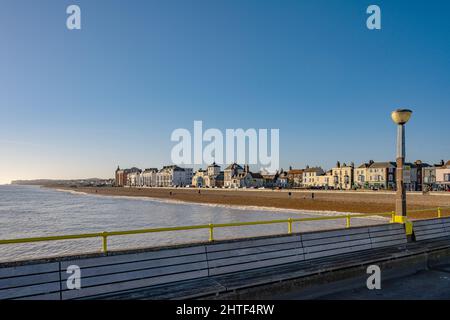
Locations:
(211, 227)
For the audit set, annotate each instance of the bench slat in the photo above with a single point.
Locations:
(141, 274)
(334, 233)
(123, 258)
(251, 243)
(333, 252)
(34, 279)
(253, 250)
(20, 292)
(132, 266)
(343, 239)
(28, 269)
(336, 245)
(275, 255)
(393, 238)
(254, 265)
(47, 296)
(129, 285)
(387, 227)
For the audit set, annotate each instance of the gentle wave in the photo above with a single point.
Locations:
(220, 205)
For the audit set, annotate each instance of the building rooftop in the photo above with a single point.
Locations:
(381, 165)
(295, 171)
(214, 165)
(314, 169)
(234, 166)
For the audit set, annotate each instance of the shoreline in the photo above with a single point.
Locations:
(220, 205)
(326, 203)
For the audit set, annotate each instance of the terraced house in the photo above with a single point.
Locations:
(375, 175)
(246, 179)
(310, 176)
(342, 176)
(361, 174)
(230, 173)
(443, 177)
(210, 178)
(174, 176)
(295, 177)
(122, 176)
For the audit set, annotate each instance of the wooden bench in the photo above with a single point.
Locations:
(242, 255)
(387, 235)
(118, 273)
(431, 229)
(329, 243)
(32, 281)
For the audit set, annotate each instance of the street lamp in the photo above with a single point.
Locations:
(400, 117)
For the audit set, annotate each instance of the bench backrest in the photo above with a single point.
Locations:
(35, 281)
(431, 228)
(387, 235)
(121, 273)
(329, 243)
(252, 254)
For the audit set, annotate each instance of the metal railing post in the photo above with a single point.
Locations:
(439, 213)
(348, 221)
(211, 232)
(289, 225)
(105, 242)
(392, 216)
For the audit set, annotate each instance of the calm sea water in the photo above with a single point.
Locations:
(28, 211)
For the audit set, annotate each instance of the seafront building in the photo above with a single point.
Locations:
(360, 175)
(311, 177)
(174, 176)
(343, 176)
(381, 175)
(134, 178)
(270, 179)
(241, 177)
(418, 176)
(324, 181)
(148, 177)
(283, 179)
(122, 176)
(420, 170)
(295, 177)
(443, 177)
(212, 177)
(230, 173)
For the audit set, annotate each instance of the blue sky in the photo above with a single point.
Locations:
(78, 103)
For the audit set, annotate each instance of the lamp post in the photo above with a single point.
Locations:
(400, 117)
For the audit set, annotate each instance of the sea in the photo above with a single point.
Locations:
(35, 211)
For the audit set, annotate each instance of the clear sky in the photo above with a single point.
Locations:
(76, 104)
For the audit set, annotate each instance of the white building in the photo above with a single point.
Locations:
(148, 177)
(133, 177)
(231, 172)
(174, 176)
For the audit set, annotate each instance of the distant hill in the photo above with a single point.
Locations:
(76, 182)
